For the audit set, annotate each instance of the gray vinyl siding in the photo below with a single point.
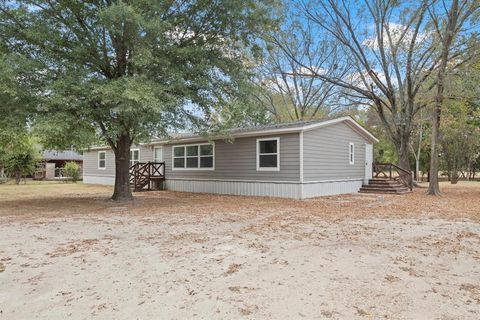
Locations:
(237, 161)
(326, 154)
(90, 161)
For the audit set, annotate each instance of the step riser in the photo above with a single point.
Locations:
(384, 182)
(386, 189)
(384, 186)
(380, 185)
(385, 192)
(376, 189)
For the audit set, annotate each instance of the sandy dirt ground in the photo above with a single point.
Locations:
(66, 252)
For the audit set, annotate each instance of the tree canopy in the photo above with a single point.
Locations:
(132, 69)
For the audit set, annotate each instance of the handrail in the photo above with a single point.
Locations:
(141, 173)
(404, 176)
(393, 165)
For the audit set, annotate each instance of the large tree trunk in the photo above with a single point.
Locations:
(433, 186)
(403, 150)
(122, 190)
(404, 160)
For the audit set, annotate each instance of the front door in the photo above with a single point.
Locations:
(368, 161)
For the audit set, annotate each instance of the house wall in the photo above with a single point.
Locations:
(326, 154)
(326, 168)
(93, 175)
(237, 161)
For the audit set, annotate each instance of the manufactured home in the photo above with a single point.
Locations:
(292, 160)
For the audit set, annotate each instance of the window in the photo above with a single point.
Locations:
(351, 153)
(134, 156)
(102, 160)
(157, 154)
(197, 156)
(268, 154)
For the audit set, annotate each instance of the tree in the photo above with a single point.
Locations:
(448, 26)
(393, 53)
(131, 69)
(459, 137)
(19, 157)
(286, 92)
(460, 145)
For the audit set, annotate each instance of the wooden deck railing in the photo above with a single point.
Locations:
(143, 173)
(392, 171)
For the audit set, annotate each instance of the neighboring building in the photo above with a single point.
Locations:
(52, 162)
(294, 160)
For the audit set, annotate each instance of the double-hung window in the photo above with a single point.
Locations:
(134, 156)
(351, 153)
(268, 154)
(194, 157)
(102, 160)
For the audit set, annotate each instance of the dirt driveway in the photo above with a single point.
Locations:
(68, 253)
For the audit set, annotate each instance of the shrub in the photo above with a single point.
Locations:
(20, 159)
(72, 170)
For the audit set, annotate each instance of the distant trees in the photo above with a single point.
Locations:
(18, 156)
(398, 53)
(448, 24)
(460, 149)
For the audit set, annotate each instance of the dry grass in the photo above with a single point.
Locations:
(67, 251)
(60, 200)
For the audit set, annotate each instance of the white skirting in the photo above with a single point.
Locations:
(265, 188)
(242, 188)
(105, 180)
(328, 188)
(294, 190)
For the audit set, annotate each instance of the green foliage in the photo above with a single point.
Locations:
(19, 157)
(59, 131)
(72, 170)
(384, 150)
(460, 139)
(137, 68)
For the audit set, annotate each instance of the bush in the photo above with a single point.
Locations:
(20, 158)
(72, 170)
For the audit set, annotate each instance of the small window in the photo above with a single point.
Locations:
(268, 154)
(157, 154)
(351, 153)
(102, 160)
(134, 156)
(199, 156)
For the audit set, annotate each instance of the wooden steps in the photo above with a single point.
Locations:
(147, 175)
(384, 186)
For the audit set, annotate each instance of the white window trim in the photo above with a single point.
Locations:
(130, 160)
(278, 155)
(351, 153)
(98, 160)
(154, 153)
(199, 156)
